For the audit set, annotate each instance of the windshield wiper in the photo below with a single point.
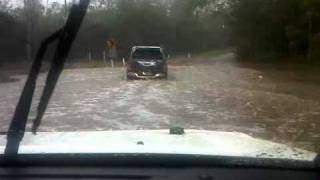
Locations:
(65, 37)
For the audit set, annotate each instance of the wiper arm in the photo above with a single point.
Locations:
(19, 121)
(65, 38)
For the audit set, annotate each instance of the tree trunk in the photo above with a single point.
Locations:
(29, 41)
(65, 9)
(29, 30)
(310, 28)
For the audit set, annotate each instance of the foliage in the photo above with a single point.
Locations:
(181, 26)
(259, 29)
(274, 28)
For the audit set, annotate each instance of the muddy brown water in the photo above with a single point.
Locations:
(211, 94)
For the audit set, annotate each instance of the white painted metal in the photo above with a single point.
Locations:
(193, 142)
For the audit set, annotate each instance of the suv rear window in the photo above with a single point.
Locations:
(147, 53)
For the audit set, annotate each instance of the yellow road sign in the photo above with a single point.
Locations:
(111, 44)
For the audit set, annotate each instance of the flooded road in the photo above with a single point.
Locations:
(212, 94)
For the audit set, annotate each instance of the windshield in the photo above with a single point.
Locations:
(151, 53)
(245, 67)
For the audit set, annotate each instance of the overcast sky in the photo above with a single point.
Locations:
(50, 1)
(44, 2)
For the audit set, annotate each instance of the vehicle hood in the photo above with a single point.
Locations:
(193, 142)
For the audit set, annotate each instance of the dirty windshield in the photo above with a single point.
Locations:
(240, 66)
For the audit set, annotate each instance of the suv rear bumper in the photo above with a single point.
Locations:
(137, 76)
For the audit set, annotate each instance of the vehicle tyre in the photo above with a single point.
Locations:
(129, 78)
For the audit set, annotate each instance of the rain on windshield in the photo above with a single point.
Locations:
(250, 66)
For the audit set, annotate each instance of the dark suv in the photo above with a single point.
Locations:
(147, 62)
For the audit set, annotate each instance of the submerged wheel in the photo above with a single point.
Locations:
(129, 78)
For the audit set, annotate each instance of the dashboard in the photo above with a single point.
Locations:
(144, 173)
(153, 167)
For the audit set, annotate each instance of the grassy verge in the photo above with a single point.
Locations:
(185, 60)
(214, 53)
(23, 67)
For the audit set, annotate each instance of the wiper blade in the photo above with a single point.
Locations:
(65, 38)
(19, 121)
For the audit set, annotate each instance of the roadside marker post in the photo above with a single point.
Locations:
(112, 47)
(124, 68)
(124, 62)
(89, 57)
(104, 58)
(112, 63)
(189, 55)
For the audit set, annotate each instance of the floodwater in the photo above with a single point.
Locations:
(211, 94)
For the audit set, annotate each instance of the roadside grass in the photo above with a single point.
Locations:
(180, 60)
(214, 53)
(198, 57)
(293, 68)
